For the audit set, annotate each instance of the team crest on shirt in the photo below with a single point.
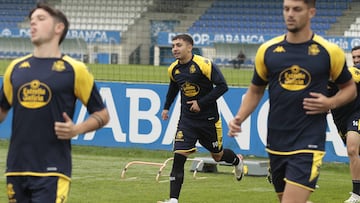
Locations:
(58, 66)
(313, 50)
(192, 69)
(294, 78)
(179, 136)
(190, 89)
(34, 94)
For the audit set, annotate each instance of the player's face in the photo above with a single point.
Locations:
(181, 50)
(297, 15)
(42, 27)
(356, 56)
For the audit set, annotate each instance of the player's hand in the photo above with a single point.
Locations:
(234, 127)
(194, 106)
(315, 104)
(165, 114)
(65, 130)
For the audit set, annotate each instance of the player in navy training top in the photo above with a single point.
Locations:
(42, 89)
(296, 68)
(200, 84)
(346, 119)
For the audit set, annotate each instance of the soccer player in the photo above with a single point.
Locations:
(296, 67)
(200, 83)
(42, 89)
(346, 119)
(355, 53)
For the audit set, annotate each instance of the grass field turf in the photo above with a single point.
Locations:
(97, 170)
(151, 74)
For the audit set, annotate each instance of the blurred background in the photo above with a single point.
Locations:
(139, 31)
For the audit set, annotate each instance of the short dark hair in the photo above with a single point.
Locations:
(310, 3)
(185, 37)
(355, 48)
(55, 13)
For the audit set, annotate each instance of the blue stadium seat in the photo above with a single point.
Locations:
(261, 16)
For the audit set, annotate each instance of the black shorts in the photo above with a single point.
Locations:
(207, 132)
(300, 169)
(351, 124)
(36, 189)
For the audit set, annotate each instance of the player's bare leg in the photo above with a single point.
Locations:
(352, 145)
(295, 194)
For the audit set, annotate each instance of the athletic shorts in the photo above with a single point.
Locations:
(346, 125)
(189, 131)
(300, 169)
(36, 189)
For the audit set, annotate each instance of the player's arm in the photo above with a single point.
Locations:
(318, 103)
(4, 104)
(248, 105)
(346, 94)
(3, 114)
(95, 121)
(170, 97)
(220, 86)
(67, 129)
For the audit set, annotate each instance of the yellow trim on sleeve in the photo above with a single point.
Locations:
(355, 72)
(260, 67)
(8, 88)
(204, 64)
(84, 80)
(171, 67)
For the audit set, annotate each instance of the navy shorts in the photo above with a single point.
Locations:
(36, 189)
(300, 169)
(351, 124)
(207, 132)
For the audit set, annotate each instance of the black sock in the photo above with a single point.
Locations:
(230, 157)
(356, 186)
(177, 175)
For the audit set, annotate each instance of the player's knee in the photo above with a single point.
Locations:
(217, 157)
(353, 151)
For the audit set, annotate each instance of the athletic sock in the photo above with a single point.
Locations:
(177, 175)
(230, 157)
(356, 186)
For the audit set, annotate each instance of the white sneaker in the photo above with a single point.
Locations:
(172, 200)
(354, 198)
(239, 169)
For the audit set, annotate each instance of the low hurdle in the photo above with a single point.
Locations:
(251, 167)
(160, 165)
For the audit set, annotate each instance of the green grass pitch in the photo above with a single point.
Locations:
(97, 179)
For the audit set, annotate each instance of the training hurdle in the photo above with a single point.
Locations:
(160, 165)
(251, 167)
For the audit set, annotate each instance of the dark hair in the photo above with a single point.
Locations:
(55, 13)
(310, 3)
(355, 48)
(185, 37)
